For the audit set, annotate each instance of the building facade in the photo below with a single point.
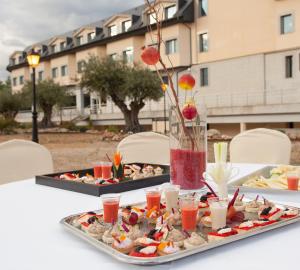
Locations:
(245, 56)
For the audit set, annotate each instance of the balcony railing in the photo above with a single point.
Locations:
(273, 97)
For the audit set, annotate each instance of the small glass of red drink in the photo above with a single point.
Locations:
(153, 196)
(97, 170)
(106, 170)
(189, 213)
(293, 180)
(111, 207)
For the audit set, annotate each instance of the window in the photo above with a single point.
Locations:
(20, 59)
(289, 66)
(14, 81)
(171, 46)
(203, 76)
(40, 75)
(203, 42)
(203, 6)
(62, 45)
(80, 66)
(126, 25)
(21, 80)
(64, 70)
(70, 101)
(113, 56)
(86, 101)
(54, 72)
(91, 36)
(151, 18)
(12, 61)
(286, 24)
(53, 48)
(170, 12)
(112, 30)
(103, 101)
(128, 56)
(79, 40)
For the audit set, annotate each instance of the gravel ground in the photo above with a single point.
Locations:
(79, 150)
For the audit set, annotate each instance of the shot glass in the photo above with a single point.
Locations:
(111, 207)
(171, 194)
(153, 196)
(218, 212)
(189, 213)
(292, 180)
(106, 170)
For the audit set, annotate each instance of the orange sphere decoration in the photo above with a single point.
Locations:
(186, 82)
(150, 56)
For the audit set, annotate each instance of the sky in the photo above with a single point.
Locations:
(24, 22)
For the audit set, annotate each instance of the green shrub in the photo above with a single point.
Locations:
(113, 129)
(7, 126)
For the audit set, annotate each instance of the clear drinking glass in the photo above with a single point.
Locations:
(171, 195)
(111, 207)
(218, 210)
(189, 213)
(292, 180)
(153, 196)
(106, 170)
(97, 170)
(188, 148)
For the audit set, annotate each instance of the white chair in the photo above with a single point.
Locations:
(145, 147)
(20, 159)
(264, 146)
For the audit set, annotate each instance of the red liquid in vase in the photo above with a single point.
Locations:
(187, 168)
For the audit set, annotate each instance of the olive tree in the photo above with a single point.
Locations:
(129, 87)
(48, 94)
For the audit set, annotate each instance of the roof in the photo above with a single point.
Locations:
(184, 14)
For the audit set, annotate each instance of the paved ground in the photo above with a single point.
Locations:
(79, 150)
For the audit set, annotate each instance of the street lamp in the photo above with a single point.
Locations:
(33, 59)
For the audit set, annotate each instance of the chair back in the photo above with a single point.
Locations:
(20, 159)
(264, 146)
(145, 147)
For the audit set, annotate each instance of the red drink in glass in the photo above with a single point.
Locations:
(187, 168)
(111, 207)
(97, 171)
(106, 170)
(189, 213)
(292, 181)
(153, 198)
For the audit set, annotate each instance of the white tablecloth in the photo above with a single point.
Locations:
(31, 237)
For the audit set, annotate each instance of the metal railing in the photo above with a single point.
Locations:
(239, 99)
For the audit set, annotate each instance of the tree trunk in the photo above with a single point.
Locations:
(46, 121)
(132, 123)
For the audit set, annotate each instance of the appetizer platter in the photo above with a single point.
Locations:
(170, 228)
(273, 179)
(132, 176)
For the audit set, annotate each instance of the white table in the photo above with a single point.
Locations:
(31, 237)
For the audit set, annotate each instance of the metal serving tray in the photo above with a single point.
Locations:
(105, 248)
(95, 190)
(265, 172)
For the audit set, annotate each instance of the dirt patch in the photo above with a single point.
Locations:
(73, 151)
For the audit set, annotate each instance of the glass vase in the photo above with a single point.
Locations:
(188, 148)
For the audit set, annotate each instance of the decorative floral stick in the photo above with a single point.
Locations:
(157, 58)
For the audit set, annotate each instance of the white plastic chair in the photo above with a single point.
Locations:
(264, 146)
(145, 147)
(20, 159)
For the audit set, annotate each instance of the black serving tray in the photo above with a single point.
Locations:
(90, 189)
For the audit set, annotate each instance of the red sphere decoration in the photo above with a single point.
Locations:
(150, 56)
(189, 111)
